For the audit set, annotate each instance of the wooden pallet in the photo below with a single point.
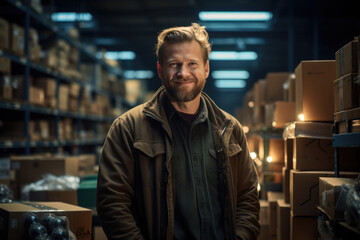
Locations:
(347, 121)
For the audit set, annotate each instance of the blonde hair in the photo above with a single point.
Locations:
(184, 34)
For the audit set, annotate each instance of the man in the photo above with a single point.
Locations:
(177, 166)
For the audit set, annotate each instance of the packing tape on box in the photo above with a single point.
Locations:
(39, 206)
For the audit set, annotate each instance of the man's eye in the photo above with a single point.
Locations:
(173, 64)
(192, 63)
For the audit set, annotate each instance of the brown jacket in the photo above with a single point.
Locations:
(135, 193)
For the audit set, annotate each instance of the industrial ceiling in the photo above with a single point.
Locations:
(299, 30)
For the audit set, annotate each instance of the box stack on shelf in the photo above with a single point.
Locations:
(307, 134)
(55, 105)
(42, 83)
(337, 204)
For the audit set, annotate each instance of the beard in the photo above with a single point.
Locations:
(180, 94)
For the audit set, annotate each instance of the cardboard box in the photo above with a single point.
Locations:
(283, 220)
(286, 184)
(12, 214)
(288, 152)
(87, 164)
(312, 104)
(4, 34)
(66, 196)
(73, 104)
(289, 88)
(346, 92)
(274, 86)
(347, 59)
(264, 220)
(308, 129)
(17, 42)
(304, 190)
(36, 96)
(64, 97)
(272, 198)
(277, 114)
(259, 92)
(74, 90)
(48, 85)
(44, 127)
(30, 169)
(303, 228)
(5, 65)
(5, 87)
(313, 154)
(329, 196)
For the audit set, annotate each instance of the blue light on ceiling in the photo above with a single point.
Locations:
(138, 74)
(230, 83)
(233, 55)
(120, 55)
(234, 16)
(71, 17)
(230, 74)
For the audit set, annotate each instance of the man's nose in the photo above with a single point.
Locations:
(184, 71)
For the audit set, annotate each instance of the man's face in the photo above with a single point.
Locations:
(183, 71)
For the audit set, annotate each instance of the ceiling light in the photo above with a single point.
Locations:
(71, 17)
(120, 55)
(233, 41)
(138, 74)
(232, 55)
(234, 16)
(230, 83)
(230, 74)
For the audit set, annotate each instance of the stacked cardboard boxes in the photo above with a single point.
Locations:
(272, 198)
(48, 86)
(4, 34)
(347, 88)
(17, 39)
(272, 108)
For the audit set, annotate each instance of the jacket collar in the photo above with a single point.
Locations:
(155, 109)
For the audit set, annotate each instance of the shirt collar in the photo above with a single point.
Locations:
(202, 113)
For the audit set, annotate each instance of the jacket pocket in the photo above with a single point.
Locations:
(150, 149)
(234, 149)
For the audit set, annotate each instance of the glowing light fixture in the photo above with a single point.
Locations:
(71, 17)
(120, 55)
(139, 74)
(246, 129)
(258, 187)
(231, 74)
(233, 55)
(232, 83)
(251, 104)
(301, 117)
(234, 16)
(253, 155)
(269, 159)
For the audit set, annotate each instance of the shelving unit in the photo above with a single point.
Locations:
(345, 132)
(88, 127)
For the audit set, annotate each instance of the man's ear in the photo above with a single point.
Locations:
(159, 70)
(207, 68)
